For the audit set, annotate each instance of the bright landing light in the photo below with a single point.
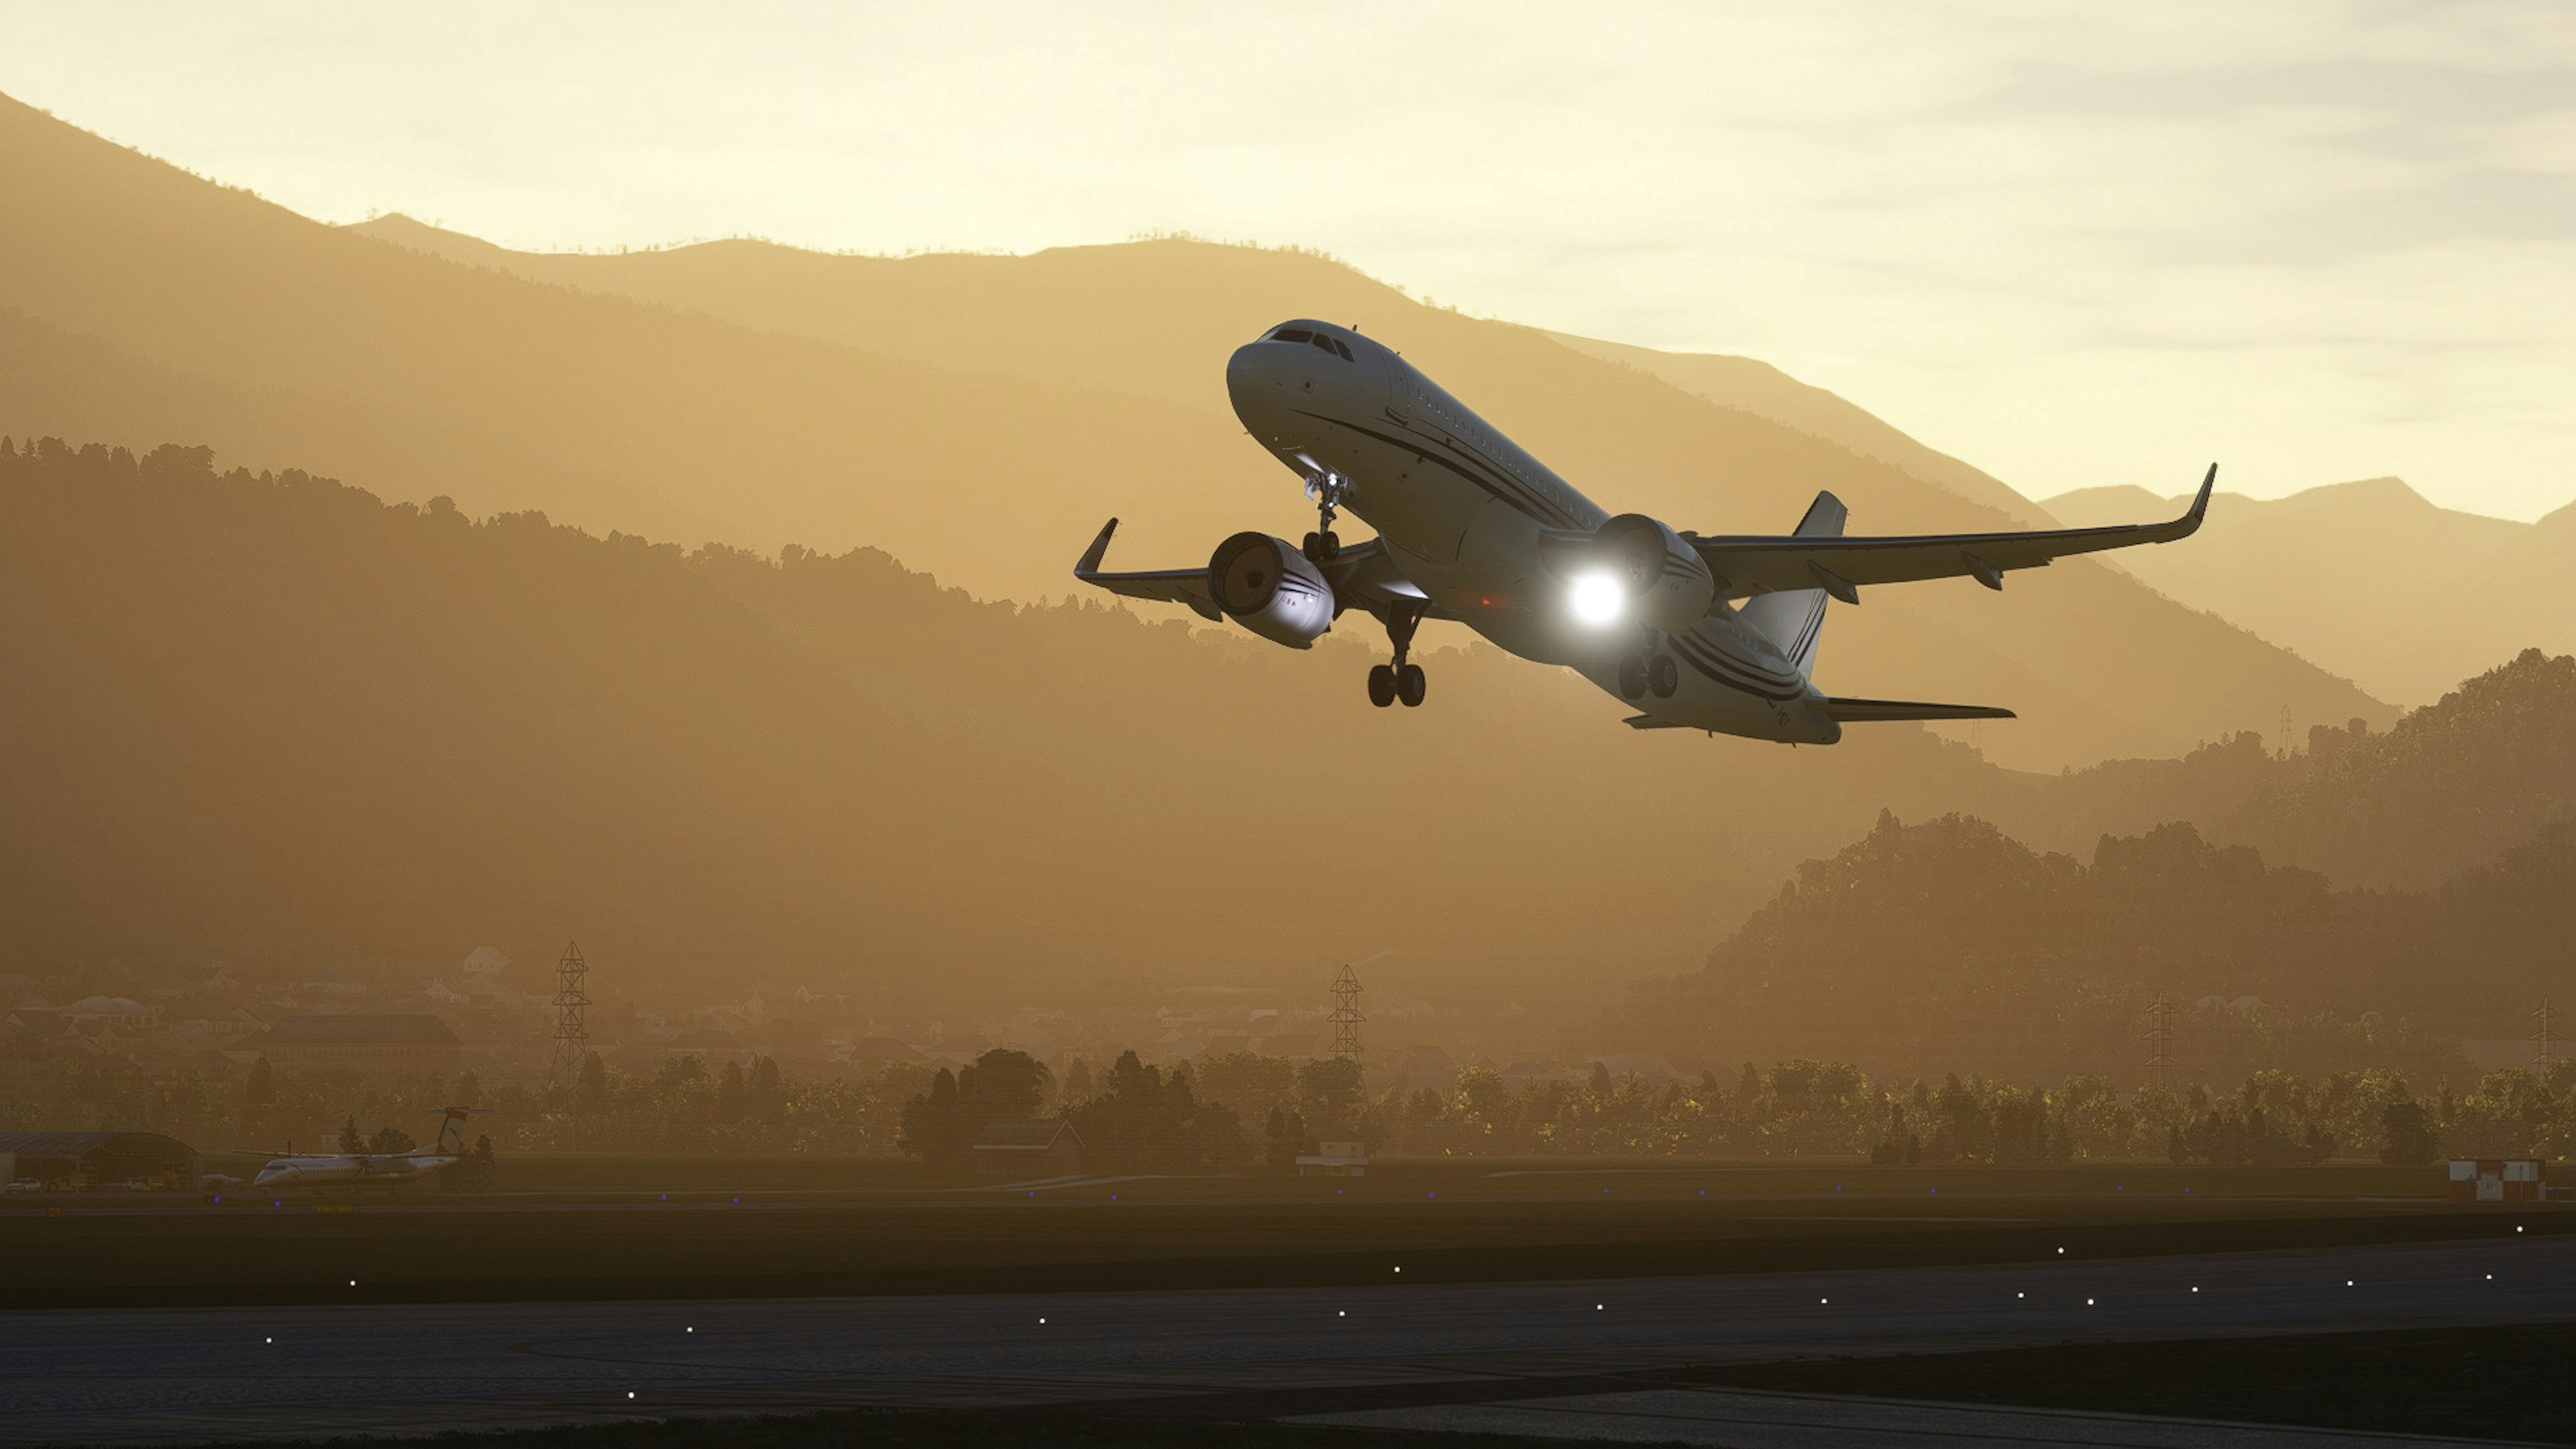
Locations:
(1597, 598)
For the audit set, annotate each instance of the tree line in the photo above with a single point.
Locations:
(1238, 1110)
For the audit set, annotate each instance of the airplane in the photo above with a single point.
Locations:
(1702, 632)
(318, 1170)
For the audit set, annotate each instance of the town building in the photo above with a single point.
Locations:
(377, 1048)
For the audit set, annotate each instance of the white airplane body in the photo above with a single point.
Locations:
(1708, 633)
(371, 1169)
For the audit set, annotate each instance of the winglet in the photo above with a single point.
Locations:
(1091, 557)
(2190, 521)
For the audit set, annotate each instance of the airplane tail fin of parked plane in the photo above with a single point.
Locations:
(451, 1132)
(1794, 618)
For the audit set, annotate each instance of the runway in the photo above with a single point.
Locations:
(1369, 1352)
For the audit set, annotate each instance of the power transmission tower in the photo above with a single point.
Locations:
(572, 1034)
(2160, 1039)
(2545, 1056)
(1346, 1016)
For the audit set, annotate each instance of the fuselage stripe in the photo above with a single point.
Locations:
(1502, 486)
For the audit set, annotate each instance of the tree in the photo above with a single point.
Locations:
(1077, 1083)
(1142, 1120)
(766, 1093)
(1329, 1096)
(2406, 1138)
(1002, 1085)
(259, 1090)
(390, 1138)
(473, 1172)
(350, 1139)
(591, 1092)
(729, 1094)
(932, 1130)
(469, 1090)
(1283, 1138)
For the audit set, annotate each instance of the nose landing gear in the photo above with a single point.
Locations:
(1323, 545)
(1388, 683)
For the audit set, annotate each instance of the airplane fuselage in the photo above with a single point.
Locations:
(1465, 513)
(334, 1170)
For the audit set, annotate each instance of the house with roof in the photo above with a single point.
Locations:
(1025, 1151)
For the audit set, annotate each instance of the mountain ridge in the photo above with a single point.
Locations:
(1002, 408)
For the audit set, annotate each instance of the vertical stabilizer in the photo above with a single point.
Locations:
(1793, 618)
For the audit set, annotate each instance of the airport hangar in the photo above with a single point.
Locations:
(98, 1156)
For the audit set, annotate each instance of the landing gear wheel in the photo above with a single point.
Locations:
(1632, 677)
(1323, 547)
(1410, 686)
(1664, 676)
(1382, 685)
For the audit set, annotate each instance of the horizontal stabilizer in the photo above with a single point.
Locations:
(1867, 711)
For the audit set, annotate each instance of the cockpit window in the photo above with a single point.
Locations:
(1333, 345)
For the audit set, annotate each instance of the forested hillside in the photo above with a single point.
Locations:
(1949, 942)
(272, 712)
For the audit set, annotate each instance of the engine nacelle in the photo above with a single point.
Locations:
(1666, 582)
(1271, 589)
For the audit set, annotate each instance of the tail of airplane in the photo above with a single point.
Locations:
(451, 1132)
(1793, 618)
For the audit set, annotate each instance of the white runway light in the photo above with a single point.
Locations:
(1597, 598)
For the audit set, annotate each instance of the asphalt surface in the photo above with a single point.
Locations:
(198, 1374)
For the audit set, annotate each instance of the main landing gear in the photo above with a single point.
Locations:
(1388, 683)
(1323, 545)
(1653, 670)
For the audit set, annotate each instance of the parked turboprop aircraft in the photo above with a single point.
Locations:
(1473, 529)
(372, 1169)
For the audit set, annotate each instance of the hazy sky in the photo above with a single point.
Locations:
(2073, 244)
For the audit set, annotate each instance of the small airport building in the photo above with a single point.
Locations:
(2499, 1179)
(1026, 1151)
(1335, 1159)
(77, 1161)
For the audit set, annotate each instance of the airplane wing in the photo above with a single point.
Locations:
(1749, 565)
(1868, 711)
(1363, 575)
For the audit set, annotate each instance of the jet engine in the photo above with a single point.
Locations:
(1663, 580)
(1271, 589)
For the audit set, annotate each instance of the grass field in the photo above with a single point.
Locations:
(597, 1228)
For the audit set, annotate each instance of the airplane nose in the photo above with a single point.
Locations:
(1254, 376)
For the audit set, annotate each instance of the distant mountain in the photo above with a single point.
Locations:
(2521, 596)
(2368, 579)
(975, 416)
(1756, 387)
